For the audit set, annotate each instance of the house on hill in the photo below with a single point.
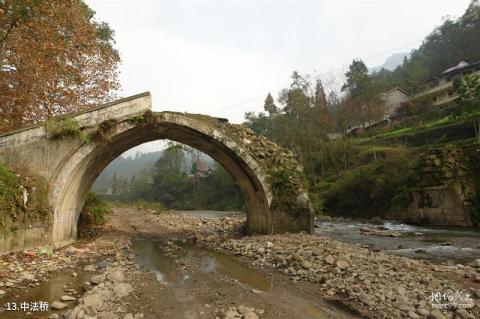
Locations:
(393, 100)
(441, 90)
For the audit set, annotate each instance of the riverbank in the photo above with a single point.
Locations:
(180, 266)
(139, 268)
(374, 284)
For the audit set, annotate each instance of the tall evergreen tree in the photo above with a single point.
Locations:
(269, 105)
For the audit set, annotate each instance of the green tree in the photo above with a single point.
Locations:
(469, 92)
(364, 101)
(469, 99)
(269, 105)
(171, 185)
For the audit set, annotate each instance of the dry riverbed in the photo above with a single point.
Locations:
(177, 266)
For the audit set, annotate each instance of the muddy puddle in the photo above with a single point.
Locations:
(157, 258)
(47, 292)
(166, 263)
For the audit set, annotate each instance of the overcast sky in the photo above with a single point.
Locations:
(222, 57)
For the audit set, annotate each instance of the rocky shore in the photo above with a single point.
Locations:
(369, 283)
(376, 284)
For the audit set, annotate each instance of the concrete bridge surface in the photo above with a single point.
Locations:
(271, 180)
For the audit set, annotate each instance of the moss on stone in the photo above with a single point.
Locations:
(104, 131)
(23, 199)
(141, 119)
(66, 127)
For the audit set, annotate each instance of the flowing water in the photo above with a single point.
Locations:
(437, 244)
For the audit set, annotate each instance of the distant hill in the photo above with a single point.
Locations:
(453, 41)
(392, 62)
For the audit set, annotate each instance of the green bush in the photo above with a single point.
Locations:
(473, 208)
(13, 209)
(103, 132)
(141, 119)
(368, 190)
(157, 208)
(94, 211)
(318, 204)
(64, 127)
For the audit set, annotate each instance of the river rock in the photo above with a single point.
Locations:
(90, 311)
(250, 315)
(413, 315)
(462, 313)
(435, 314)
(93, 300)
(89, 268)
(122, 289)
(57, 305)
(330, 259)
(27, 276)
(342, 264)
(476, 293)
(67, 298)
(366, 299)
(435, 283)
(75, 313)
(405, 307)
(116, 276)
(107, 315)
(476, 263)
(97, 279)
(297, 257)
(423, 312)
(230, 314)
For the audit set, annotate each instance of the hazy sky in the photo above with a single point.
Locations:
(222, 57)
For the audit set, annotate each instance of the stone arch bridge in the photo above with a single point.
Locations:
(271, 180)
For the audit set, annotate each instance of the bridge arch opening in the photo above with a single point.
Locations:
(76, 177)
(170, 176)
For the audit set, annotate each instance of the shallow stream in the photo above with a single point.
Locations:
(437, 244)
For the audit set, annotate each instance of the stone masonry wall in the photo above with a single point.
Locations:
(444, 190)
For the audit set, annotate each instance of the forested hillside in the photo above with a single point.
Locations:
(364, 175)
(453, 41)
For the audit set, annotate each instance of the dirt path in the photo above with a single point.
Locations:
(210, 294)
